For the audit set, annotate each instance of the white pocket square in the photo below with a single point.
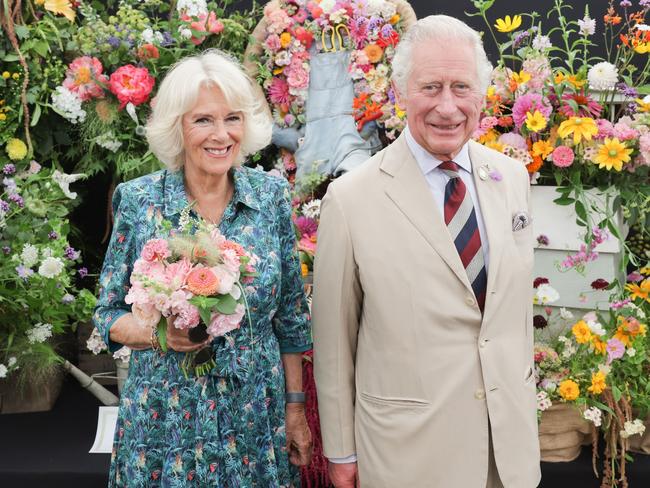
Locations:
(520, 220)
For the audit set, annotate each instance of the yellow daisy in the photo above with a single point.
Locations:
(535, 121)
(598, 384)
(508, 24)
(580, 127)
(582, 332)
(612, 153)
(521, 77)
(641, 290)
(542, 149)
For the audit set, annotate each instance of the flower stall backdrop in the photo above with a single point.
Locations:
(569, 99)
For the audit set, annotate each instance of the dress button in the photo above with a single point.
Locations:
(479, 394)
(470, 300)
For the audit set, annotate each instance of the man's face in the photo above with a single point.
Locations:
(442, 100)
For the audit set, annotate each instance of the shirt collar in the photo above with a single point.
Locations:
(427, 162)
(175, 198)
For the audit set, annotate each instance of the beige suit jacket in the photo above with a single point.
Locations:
(407, 369)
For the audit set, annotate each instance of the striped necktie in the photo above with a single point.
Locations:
(460, 218)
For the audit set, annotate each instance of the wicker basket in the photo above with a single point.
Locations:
(562, 433)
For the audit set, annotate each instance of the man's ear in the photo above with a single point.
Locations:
(399, 98)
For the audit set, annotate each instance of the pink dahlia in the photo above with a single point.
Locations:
(562, 156)
(306, 225)
(279, 91)
(84, 76)
(529, 102)
(587, 106)
(131, 84)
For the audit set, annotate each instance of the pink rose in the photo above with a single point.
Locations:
(131, 84)
(155, 249)
(222, 324)
(562, 156)
(187, 316)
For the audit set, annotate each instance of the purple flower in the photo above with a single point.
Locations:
(627, 90)
(67, 299)
(495, 175)
(644, 3)
(83, 272)
(387, 30)
(305, 225)
(615, 349)
(4, 206)
(625, 3)
(9, 169)
(168, 40)
(519, 39)
(6, 250)
(634, 276)
(53, 236)
(71, 253)
(10, 186)
(17, 199)
(619, 304)
(114, 42)
(543, 240)
(24, 272)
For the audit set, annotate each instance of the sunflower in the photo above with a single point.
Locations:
(612, 154)
(580, 127)
(508, 24)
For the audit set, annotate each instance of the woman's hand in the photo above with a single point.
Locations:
(299, 441)
(178, 339)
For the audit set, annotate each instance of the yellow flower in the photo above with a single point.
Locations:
(40, 2)
(6, 74)
(580, 127)
(508, 24)
(542, 149)
(645, 270)
(535, 121)
(643, 105)
(304, 269)
(15, 76)
(612, 154)
(598, 384)
(16, 149)
(600, 347)
(641, 290)
(572, 79)
(394, 19)
(521, 77)
(496, 145)
(490, 136)
(399, 112)
(582, 332)
(60, 7)
(3, 117)
(285, 39)
(623, 336)
(278, 70)
(642, 48)
(569, 390)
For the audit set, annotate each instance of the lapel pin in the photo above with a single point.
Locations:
(483, 172)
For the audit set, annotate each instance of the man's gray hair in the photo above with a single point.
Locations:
(179, 92)
(439, 28)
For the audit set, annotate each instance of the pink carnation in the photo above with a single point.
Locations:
(273, 43)
(529, 102)
(187, 316)
(84, 76)
(605, 128)
(222, 324)
(488, 122)
(562, 156)
(131, 84)
(154, 250)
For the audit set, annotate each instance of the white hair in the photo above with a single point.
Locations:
(439, 28)
(178, 94)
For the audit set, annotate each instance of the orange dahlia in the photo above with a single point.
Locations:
(202, 281)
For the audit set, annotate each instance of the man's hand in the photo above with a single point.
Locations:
(344, 475)
(299, 441)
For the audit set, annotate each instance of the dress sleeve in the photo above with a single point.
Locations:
(114, 280)
(292, 323)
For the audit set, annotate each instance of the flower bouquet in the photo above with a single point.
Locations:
(197, 281)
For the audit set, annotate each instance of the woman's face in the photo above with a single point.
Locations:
(212, 132)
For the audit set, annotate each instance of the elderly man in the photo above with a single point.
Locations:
(422, 309)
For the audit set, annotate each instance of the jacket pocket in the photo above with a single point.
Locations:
(395, 402)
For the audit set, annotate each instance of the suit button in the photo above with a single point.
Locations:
(483, 343)
(479, 394)
(469, 300)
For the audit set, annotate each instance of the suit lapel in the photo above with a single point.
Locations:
(408, 190)
(491, 196)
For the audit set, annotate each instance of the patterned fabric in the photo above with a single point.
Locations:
(460, 218)
(225, 429)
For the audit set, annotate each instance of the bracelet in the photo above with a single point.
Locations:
(295, 397)
(155, 343)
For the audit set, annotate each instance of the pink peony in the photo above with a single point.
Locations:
(155, 250)
(231, 260)
(131, 85)
(529, 102)
(279, 91)
(562, 156)
(136, 294)
(222, 324)
(84, 76)
(187, 316)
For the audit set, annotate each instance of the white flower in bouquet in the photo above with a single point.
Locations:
(108, 141)
(631, 352)
(569, 346)
(29, 256)
(3, 371)
(593, 415)
(603, 76)
(542, 42)
(545, 294)
(39, 333)
(64, 180)
(311, 209)
(12, 361)
(587, 26)
(591, 319)
(51, 267)
(184, 32)
(327, 5)
(192, 7)
(95, 343)
(565, 314)
(122, 354)
(543, 401)
(68, 105)
(150, 36)
(381, 8)
(633, 428)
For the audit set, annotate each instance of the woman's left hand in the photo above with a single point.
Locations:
(299, 441)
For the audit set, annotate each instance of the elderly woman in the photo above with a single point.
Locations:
(243, 424)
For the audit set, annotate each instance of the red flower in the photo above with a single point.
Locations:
(131, 85)
(148, 51)
(391, 40)
(599, 284)
(539, 281)
(539, 322)
(304, 36)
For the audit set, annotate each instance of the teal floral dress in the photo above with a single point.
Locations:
(225, 429)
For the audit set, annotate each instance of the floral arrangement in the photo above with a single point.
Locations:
(196, 278)
(40, 272)
(598, 362)
(574, 119)
(370, 29)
